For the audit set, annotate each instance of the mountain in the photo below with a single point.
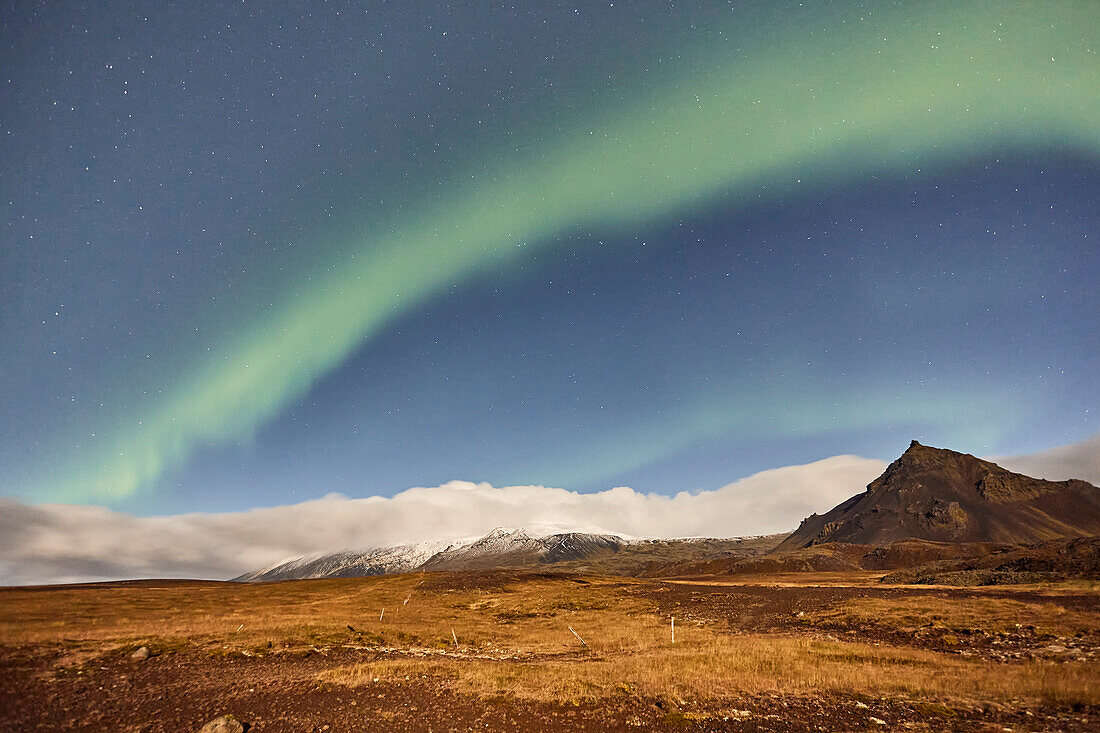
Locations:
(517, 547)
(940, 495)
(501, 547)
(589, 552)
(351, 564)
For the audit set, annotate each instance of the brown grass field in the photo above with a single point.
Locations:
(812, 652)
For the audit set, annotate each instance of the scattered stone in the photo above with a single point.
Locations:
(223, 724)
(877, 721)
(141, 654)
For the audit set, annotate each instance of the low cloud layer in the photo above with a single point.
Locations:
(58, 543)
(1079, 460)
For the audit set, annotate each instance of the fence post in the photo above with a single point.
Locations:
(582, 641)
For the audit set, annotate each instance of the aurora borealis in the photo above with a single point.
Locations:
(261, 254)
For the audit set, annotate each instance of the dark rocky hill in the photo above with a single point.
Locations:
(1036, 563)
(944, 496)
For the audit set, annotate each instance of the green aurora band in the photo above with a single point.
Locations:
(887, 94)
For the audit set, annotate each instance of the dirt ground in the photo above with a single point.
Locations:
(82, 687)
(809, 608)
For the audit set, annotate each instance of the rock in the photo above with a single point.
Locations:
(141, 654)
(223, 724)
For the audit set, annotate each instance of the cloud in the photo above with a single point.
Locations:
(1079, 460)
(57, 543)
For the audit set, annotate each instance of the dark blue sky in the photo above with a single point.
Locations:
(191, 191)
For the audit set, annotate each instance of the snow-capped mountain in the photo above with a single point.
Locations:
(501, 547)
(353, 564)
(521, 547)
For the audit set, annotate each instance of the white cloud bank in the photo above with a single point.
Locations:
(58, 543)
(1079, 460)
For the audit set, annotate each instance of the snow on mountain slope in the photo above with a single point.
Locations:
(518, 547)
(353, 564)
(500, 547)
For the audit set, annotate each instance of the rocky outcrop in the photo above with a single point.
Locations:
(944, 496)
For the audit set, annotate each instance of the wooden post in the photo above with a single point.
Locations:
(578, 636)
(454, 637)
(672, 623)
(381, 615)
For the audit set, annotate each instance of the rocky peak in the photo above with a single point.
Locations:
(940, 464)
(502, 532)
(943, 495)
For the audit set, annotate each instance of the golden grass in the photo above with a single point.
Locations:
(208, 612)
(715, 667)
(842, 578)
(310, 613)
(515, 640)
(989, 614)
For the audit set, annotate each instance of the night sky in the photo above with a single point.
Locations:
(255, 253)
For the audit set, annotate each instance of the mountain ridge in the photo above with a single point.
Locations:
(941, 495)
(502, 546)
(511, 547)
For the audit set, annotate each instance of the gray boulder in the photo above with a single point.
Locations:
(223, 724)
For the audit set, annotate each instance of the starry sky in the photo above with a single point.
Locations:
(255, 253)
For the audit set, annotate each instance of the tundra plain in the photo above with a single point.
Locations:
(502, 650)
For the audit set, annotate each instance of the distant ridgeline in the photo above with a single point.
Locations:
(510, 548)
